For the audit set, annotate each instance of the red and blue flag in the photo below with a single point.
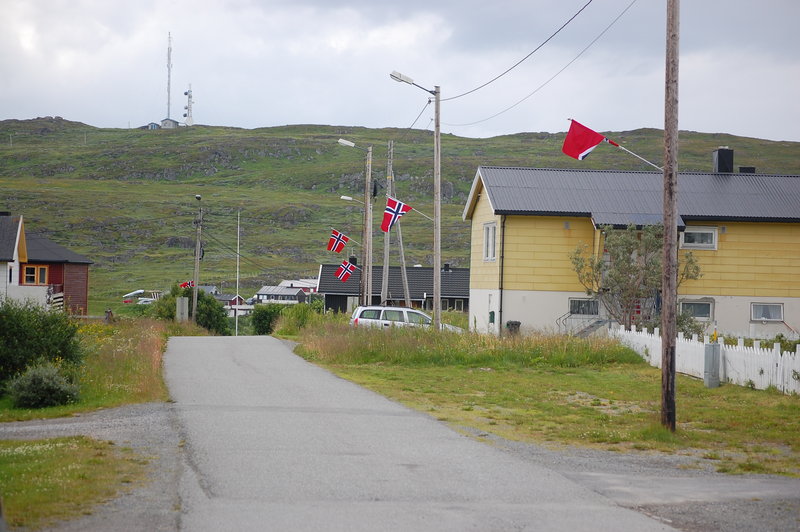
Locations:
(337, 241)
(345, 270)
(394, 210)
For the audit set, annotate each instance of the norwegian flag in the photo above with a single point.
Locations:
(344, 271)
(580, 141)
(187, 284)
(337, 241)
(394, 210)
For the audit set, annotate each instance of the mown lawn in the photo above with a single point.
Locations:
(565, 391)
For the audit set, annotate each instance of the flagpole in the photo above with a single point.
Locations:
(640, 158)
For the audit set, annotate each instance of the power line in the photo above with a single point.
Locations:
(523, 59)
(554, 76)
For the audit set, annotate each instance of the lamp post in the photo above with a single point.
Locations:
(366, 275)
(197, 248)
(437, 197)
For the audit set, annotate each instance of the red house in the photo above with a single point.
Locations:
(39, 270)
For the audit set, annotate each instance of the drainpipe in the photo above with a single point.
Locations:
(502, 268)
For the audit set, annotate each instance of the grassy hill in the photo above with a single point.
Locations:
(125, 197)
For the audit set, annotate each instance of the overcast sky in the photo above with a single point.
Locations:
(257, 63)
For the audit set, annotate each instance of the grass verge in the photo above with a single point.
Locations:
(558, 390)
(46, 480)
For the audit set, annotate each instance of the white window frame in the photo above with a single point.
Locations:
(708, 302)
(700, 229)
(490, 242)
(753, 308)
(586, 300)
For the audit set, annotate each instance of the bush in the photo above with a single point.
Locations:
(42, 386)
(295, 317)
(210, 312)
(30, 334)
(263, 317)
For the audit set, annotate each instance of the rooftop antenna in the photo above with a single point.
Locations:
(169, 67)
(188, 107)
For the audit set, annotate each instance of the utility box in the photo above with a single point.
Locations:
(181, 309)
(711, 368)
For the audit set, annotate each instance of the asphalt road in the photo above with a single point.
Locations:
(259, 439)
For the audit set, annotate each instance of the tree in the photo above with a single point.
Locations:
(626, 277)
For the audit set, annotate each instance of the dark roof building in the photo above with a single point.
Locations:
(620, 198)
(455, 286)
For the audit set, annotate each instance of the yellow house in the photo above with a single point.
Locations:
(743, 228)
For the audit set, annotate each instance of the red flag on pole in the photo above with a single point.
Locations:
(344, 271)
(394, 210)
(337, 241)
(580, 141)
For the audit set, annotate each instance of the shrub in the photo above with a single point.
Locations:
(210, 312)
(41, 386)
(30, 334)
(295, 317)
(263, 317)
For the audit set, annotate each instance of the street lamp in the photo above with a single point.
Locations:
(437, 197)
(366, 276)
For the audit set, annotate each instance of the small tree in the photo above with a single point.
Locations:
(30, 334)
(626, 278)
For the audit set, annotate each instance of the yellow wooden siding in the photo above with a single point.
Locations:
(483, 274)
(752, 259)
(537, 250)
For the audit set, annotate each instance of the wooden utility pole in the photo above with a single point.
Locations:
(387, 236)
(197, 250)
(437, 211)
(366, 272)
(669, 282)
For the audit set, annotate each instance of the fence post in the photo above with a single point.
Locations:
(711, 369)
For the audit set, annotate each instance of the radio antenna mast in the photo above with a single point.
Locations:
(169, 68)
(188, 107)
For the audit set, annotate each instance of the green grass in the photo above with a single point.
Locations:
(44, 481)
(558, 390)
(123, 194)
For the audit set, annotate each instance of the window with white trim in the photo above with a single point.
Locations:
(695, 237)
(489, 241)
(699, 310)
(766, 311)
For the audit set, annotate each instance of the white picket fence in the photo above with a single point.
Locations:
(745, 366)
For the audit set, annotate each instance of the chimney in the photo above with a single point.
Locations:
(723, 160)
(446, 267)
(353, 260)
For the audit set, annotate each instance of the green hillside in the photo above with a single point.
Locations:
(125, 197)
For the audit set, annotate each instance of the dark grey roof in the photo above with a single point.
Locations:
(40, 249)
(9, 226)
(455, 283)
(620, 198)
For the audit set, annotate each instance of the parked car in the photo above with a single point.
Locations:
(377, 316)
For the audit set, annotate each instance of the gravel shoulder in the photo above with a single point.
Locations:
(682, 491)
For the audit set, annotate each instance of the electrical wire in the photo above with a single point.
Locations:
(523, 59)
(554, 76)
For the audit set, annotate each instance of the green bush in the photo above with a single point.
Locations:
(295, 317)
(41, 386)
(210, 312)
(263, 317)
(30, 334)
